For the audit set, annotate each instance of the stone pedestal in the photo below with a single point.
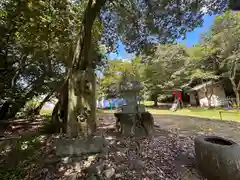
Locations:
(81, 145)
(128, 124)
(129, 120)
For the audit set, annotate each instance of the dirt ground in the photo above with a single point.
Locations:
(168, 155)
(185, 129)
(192, 126)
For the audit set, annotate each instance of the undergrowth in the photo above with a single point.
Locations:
(12, 174)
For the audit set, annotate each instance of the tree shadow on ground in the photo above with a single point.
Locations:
(158, 157)
(24, 151)
(33, 156)
(29, 154)
(17, 127)
(159, 107)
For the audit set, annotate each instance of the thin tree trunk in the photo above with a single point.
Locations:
(64, 106)
(208, 99)
(38, 109)
(232, 79)
(60, 110)
(155, 102)
(235, 89)
(237, 98)
(55, 117)
(209, 96)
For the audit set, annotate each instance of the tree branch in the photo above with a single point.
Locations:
(19, 70)
(238, 86)
(85, 39)
(131, 15)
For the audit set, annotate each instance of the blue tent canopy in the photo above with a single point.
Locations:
(116, 102)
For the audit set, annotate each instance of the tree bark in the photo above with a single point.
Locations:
(232, 78)
(155, 102)
(16, 106)
(81, 90)
(237, 98)
(209, 96)
(207, 93)
(235, 89)
(64, 106)
(55, 117)
(82, 103)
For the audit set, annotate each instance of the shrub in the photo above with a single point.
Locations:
(49, 126)
(12, 174)
(30, 106)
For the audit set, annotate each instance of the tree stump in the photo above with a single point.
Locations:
(141, 124)
(217, 158)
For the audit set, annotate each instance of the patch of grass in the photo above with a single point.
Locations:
(231, 115)
(147, 103)
(105, 111)
(46, 112)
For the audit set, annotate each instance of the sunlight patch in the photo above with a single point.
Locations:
(41, 138)
(24, 145)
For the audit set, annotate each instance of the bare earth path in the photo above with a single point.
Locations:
(192, 126)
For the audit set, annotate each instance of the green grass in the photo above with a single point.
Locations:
(46, 112)
(201, 112)
(147, 103)
(195, 112)
(234, 115)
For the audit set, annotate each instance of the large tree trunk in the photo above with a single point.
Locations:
(82, 103)
(81, 90)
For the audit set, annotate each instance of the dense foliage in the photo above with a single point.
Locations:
(36, 47)
(46, 43)
(171, 66)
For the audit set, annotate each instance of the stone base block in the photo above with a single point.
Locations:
(81, 145)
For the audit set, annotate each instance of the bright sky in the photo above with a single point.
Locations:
(192, 38)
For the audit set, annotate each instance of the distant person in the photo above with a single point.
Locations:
(111, 104)
(180, 99)
(174, 95)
